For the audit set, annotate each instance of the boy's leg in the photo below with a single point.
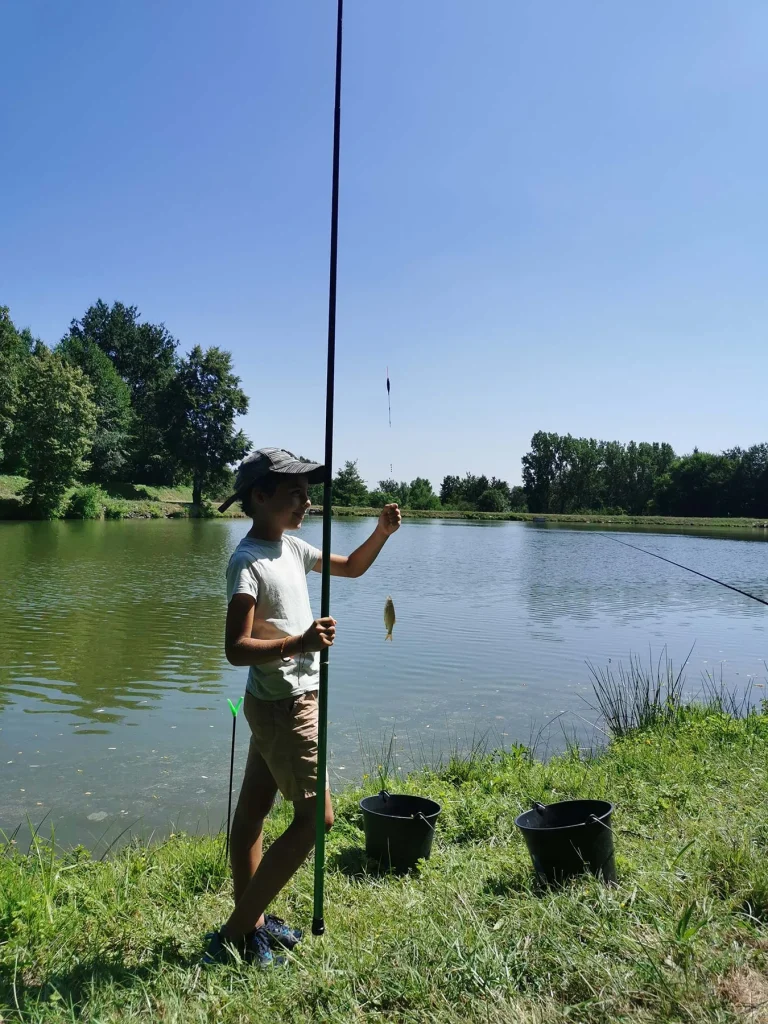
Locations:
(279, 864)
(257, 794)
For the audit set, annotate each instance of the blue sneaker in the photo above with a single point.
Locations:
(253, 949)
(280, 934)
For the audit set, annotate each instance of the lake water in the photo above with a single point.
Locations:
(113, 681)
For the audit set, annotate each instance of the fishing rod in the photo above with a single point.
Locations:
(234, 708)
(687, 568)
(318, 921)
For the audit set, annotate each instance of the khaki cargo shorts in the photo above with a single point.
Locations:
(284, 736)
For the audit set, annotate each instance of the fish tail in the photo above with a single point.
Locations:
(388, 636)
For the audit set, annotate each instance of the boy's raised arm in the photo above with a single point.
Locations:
(362, 558)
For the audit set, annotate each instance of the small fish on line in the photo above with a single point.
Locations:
(389, 617)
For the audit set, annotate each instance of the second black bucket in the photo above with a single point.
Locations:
(568, 838)
(398, 829)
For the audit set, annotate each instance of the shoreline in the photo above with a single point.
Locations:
(140, 501)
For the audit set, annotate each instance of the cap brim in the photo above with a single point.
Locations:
(229, 501)
(314, 473)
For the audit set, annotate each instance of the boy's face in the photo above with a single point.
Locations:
(286, 508)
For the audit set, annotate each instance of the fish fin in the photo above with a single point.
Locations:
(388, 636)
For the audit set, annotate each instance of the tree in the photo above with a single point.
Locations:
(349, 487)
(110, 452)
(697, 485)
(517, 500)
(450, 490)
(421, 495)
(205, 398)
(14, 351)
(55, 429)
(399, 492)
(540, 471)
(493, 500)
(144, 355)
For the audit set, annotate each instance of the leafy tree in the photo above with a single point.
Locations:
(14, 351)
(144, 355)
(55, 426)
(493, 500)
(539, 470)
(349, 487)
(205, 398)
(421, 495)
(450, 490)
(399, 492)
(378, 499)
(517, 500)
(109, 455)
(697, 485)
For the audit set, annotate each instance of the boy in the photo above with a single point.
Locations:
(270, 629)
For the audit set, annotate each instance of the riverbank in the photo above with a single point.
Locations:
(684, 937)
(146, 501)
(594, 518)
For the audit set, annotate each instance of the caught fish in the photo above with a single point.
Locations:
(389, 617)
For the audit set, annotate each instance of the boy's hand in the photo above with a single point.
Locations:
(390, 519)
(320, 634)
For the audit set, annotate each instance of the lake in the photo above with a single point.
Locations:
(114, 685)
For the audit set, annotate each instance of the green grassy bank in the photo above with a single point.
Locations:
(145, 501)
(119, 501)
(684, 936)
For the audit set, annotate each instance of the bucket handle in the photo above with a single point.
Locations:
(624, 831)
(421, 815)
(539, 808)
(384, 794)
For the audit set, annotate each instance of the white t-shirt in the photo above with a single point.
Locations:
(274, 573)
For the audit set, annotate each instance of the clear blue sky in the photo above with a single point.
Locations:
(553, 215)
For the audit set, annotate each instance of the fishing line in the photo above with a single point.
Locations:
(389, 407)
(687, 568)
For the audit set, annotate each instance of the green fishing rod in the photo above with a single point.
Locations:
(318, 920)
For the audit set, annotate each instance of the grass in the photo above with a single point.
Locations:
(120, 501)
(470, 938)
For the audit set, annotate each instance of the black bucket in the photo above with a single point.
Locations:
(398, 829)
(568, 838)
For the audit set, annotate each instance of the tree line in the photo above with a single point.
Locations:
(457, 493)
(565, 474)
(115, 401)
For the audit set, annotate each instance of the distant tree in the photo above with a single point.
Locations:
(378, 499)
(144, 355)
(112, 397)
(493, 500)
(697, 485)
(205, 398)
(517, 500)
(15, 348)
(539, 470)
(349, 487)
(55, 426)
(421, 495)
(396, 491)
(450, 490)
